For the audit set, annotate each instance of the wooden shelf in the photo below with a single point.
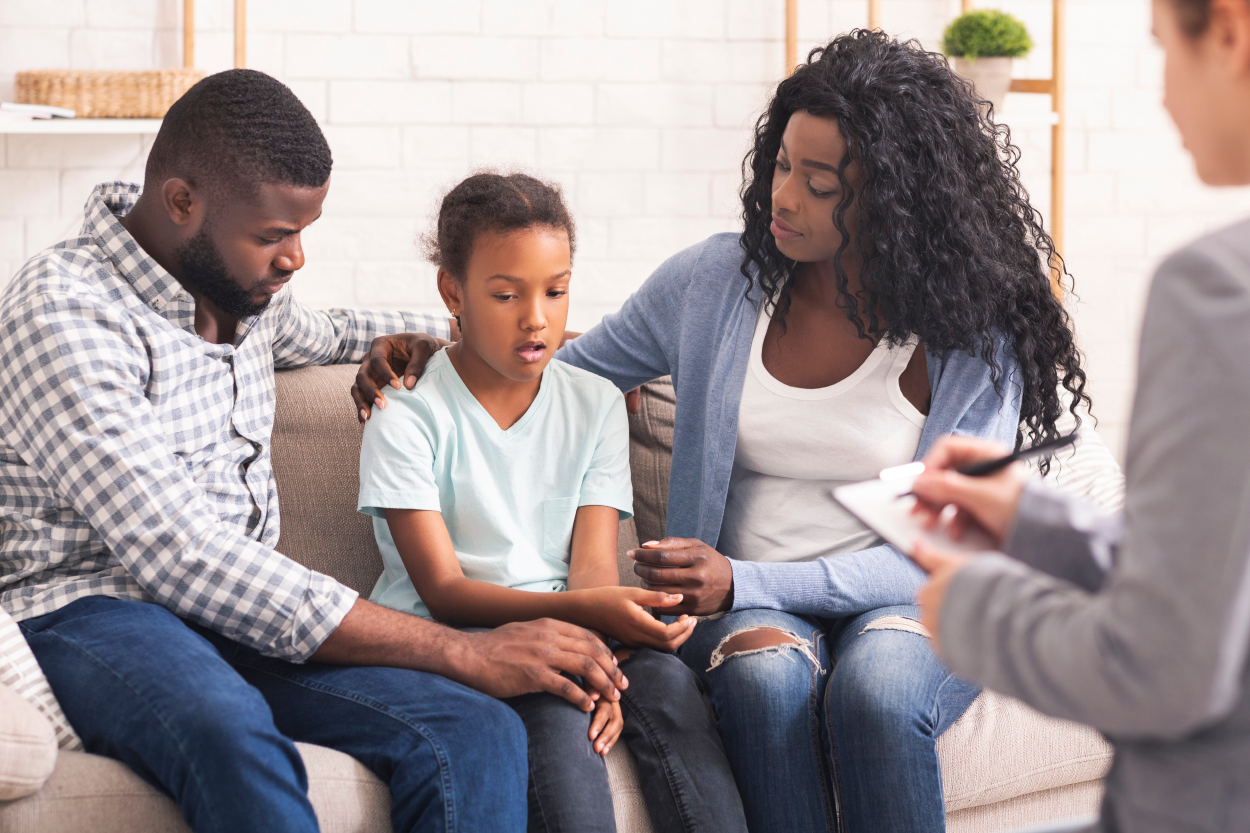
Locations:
(65, 127)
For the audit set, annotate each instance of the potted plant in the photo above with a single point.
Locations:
(983, 44)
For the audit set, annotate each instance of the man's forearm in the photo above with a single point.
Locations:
(371, 634)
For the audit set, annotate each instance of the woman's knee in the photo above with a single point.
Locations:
(761, 669)
(888, 677)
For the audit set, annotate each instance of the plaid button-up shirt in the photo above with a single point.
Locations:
(134, 455)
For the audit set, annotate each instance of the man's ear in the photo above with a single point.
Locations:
(451, 291)
(181, 202)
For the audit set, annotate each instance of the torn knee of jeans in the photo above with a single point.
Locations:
(762, 640)
(896, 623)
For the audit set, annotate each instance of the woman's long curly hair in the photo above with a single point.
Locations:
(951, 250)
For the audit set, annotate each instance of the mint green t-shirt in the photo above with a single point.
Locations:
(508, 497)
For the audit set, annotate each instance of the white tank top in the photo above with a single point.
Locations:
(796, 444)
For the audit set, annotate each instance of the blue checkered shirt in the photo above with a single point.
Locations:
(134, 455)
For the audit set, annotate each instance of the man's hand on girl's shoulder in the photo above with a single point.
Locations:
(390, 358)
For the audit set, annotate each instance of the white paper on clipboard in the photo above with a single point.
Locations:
(881, 507)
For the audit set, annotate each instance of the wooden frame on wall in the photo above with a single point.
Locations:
(240, 33)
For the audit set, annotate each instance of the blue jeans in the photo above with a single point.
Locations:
(844, 724)
(212, 724)
(682, 767)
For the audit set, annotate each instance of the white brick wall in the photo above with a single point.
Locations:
(641, 109)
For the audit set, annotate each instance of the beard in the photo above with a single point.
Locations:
(205, 273)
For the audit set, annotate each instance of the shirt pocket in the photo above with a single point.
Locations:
(558, 516)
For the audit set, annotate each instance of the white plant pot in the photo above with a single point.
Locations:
(991, 77)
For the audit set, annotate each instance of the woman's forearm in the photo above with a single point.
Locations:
(836, 586)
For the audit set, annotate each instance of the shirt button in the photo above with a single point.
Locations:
(157, 303)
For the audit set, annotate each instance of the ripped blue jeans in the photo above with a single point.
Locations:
(842, 725)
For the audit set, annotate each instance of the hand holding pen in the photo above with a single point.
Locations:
(978, 477)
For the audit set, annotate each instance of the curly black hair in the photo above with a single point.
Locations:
(951, 249)
(236, 130)
(489, 201)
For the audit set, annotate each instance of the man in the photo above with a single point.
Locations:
(138, 512)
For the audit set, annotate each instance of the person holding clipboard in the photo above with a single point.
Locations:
(1137, 625)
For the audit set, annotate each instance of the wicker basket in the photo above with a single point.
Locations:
(106, 93)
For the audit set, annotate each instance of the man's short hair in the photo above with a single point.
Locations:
(236, 130)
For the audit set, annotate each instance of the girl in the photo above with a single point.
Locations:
(497, 484)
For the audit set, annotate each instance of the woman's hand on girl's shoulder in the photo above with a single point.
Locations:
(621, 612)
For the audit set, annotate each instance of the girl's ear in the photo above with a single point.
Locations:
(451, 291)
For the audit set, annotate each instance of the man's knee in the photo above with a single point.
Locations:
(504, 723)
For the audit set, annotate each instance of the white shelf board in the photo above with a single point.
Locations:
(81, 126)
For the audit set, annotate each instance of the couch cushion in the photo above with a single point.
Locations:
(316, 463)
(27, 746)
(90, 792)
(650, 456)
(1062, 804)
(1001, 749)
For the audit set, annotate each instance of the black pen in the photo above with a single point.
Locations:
(988, 467)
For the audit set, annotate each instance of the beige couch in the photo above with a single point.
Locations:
(1003, 765)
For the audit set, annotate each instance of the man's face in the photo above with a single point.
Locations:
(246, 250)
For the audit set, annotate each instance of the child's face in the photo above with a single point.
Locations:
(514, 300)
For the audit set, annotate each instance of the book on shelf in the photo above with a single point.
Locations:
(12, 111)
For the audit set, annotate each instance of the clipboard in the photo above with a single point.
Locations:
(884, 506)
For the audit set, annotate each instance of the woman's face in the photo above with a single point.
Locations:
(806, 189)
(1206, 88)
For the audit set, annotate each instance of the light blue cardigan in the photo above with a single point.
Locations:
(693, 320)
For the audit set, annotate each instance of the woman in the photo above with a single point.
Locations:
(1145, 636)
(890, 286)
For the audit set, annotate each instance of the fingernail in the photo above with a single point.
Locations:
(410, 382)
(394, 383)
(380, 402)
(364, 415)
(630, 553)
(650, 543)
